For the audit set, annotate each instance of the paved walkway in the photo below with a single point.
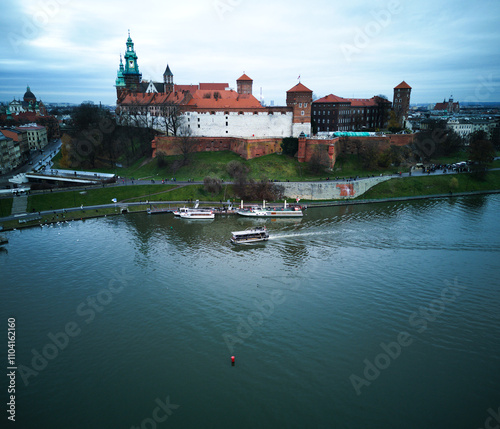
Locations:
(19, 204)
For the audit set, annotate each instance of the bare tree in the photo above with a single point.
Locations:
(170, 118)
(185, 143)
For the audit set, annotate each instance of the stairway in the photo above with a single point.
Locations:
(19, 204)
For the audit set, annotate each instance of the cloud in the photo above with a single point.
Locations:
(434, 46)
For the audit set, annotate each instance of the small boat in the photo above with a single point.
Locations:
(250, 235)
(197, 214)
(285, 211)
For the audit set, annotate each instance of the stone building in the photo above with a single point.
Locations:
(333, 113)
(207, 109)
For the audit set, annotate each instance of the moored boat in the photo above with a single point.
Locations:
(197, 214)
(250, 235)
(285, 211)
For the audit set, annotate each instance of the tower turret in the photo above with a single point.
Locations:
(168, 80)
(120, 80)
(244, 85)
(131, 74)
(401, 101)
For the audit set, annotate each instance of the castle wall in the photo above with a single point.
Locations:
(329, 190)
(260, 123)
(246, 148)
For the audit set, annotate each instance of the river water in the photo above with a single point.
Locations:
(373, 316)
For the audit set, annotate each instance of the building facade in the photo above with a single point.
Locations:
(206, 109)
(333, 113)
(448, 106)
(37, 136)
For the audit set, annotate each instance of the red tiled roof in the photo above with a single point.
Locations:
(362, 102)
(11, 135)
(189, 88)
(225, 100)
(299, 88)
(403, 85)
(354, 102)
(153, 98)
(244, 77)
(332, 99)
(444, 105)
(214, 86)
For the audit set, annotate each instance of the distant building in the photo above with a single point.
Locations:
(28, 104)
(333, 113)
(401, 102)
(37, 135)
(448, 106)
(13, 150)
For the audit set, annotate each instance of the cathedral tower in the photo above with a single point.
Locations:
(131, 74)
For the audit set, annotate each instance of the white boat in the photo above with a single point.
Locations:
(197, 214)
(285, 211)
(250, 235)
(181, 210)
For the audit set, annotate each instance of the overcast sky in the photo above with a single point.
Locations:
(68, 50)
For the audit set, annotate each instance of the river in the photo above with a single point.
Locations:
(374, 316)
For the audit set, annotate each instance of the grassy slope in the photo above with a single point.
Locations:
(5, 206)
(429, 185)
(60, 200)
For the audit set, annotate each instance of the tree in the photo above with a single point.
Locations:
(186, 144)
(369, 155)
(170, 119)
(212, 185)
(236, 169)
(290, 146)
(393, 125)
(319, 159)
(482, 153)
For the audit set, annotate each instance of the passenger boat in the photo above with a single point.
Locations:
(197, 214)
(285, 211)
(250, 235)
(180, 210)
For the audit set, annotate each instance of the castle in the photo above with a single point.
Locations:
(207, 109)
(221, 118)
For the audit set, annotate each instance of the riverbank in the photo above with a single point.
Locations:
(84, 204)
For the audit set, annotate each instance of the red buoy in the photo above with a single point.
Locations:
(232, 360)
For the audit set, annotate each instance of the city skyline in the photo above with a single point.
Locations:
(68, 53)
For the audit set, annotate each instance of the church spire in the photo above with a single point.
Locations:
(168, 80)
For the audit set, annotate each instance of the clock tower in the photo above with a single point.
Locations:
(131, 74)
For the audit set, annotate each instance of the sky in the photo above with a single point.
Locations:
(69, 50)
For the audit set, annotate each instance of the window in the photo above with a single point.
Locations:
(305, 104)
(199, 126)
(300, 104)
(226, 124)
(302, 113)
